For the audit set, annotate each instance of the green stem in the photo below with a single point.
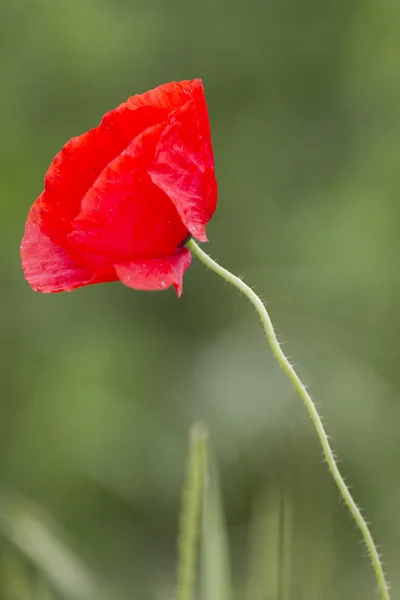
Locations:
(192, 503)
(312, 411)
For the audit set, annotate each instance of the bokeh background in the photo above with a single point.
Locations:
(100, 387)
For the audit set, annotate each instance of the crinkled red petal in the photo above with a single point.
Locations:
(124, 214)
(155, 274)
(79, 163)
(47, 267)
(127, 193)
(183, 165)
(167, 97)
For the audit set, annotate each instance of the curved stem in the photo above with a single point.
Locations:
(315, 418)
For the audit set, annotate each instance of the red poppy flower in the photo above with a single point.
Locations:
(120, 201)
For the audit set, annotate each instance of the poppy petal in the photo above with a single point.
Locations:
(183, 165)
(155, 274)
(77, 166)
(167, 97)
(47, 267)
(124, 215)
(126, 193)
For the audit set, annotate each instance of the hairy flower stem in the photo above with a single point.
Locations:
(312, 411)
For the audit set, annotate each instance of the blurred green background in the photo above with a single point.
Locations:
(99, 387)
